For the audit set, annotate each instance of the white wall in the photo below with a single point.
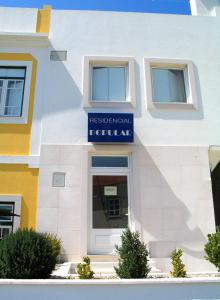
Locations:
(18, 19)
(150, 289)
(136, 35)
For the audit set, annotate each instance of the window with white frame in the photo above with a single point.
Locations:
(11, 91)
(170, 84)
(10, 209)
(6, 220)
(15, 86)
(108, 81)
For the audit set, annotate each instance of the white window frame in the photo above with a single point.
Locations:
(23, 119)
(98, 61)
(16, 200)
(189, 79)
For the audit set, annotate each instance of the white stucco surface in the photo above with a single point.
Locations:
(18, 19)
(168, 289)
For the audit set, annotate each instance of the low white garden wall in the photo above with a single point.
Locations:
(152, 289)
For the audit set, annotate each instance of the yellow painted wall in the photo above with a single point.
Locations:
(43, 19)
(15, 138)
(21, 180)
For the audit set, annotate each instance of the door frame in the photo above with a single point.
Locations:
(106, 171)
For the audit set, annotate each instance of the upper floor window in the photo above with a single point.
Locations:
(11, 91)
(15, 90)
(170, 84)
(108, 81)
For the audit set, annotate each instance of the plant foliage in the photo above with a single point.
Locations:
(212, 249)
(27, 254)
(178, 265)
(84, 269)
(133, 256)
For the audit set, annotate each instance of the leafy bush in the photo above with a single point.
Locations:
(178, 265)
(55, 242)
(27, 254)
(212, 249)
(84, 269)
(133, 256)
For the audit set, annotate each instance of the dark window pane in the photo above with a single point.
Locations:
(110, 201)
(110, 161)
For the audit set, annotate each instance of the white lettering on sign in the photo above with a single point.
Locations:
(110, 190)
(109, 132)
(109, 121)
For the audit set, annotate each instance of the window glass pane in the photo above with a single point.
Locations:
(10, 72)
(110, 209)
(109, 83)
(117, 84)
(110, 161)
(14, 98)
(168, 85)
(6, 208)
(100, 84)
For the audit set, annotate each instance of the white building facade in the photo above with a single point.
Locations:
(164, 71)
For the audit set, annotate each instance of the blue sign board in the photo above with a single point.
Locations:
(110, 128)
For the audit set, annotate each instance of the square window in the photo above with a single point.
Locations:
(15, 80)
(170, 84)
(108, 82)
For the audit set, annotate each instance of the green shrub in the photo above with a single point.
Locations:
(212, 249)
(133, 256)
(84, 269)
(55, 242)
(178, 265)
(27, 254)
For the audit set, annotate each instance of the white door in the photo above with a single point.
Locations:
(109, 203)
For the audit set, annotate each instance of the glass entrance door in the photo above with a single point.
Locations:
(109, 203)
(109, 212)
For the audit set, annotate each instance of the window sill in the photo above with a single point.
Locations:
(110, 104)
(13, 120)
(172, 106)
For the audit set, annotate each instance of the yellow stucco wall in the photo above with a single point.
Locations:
(15, 138)
(20, 180)
(43, 19)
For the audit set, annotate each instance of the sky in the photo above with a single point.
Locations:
(153, 6)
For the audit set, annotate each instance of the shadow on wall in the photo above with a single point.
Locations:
(173, 197)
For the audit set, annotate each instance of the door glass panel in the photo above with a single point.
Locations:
(109, 161)
(110, 201)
